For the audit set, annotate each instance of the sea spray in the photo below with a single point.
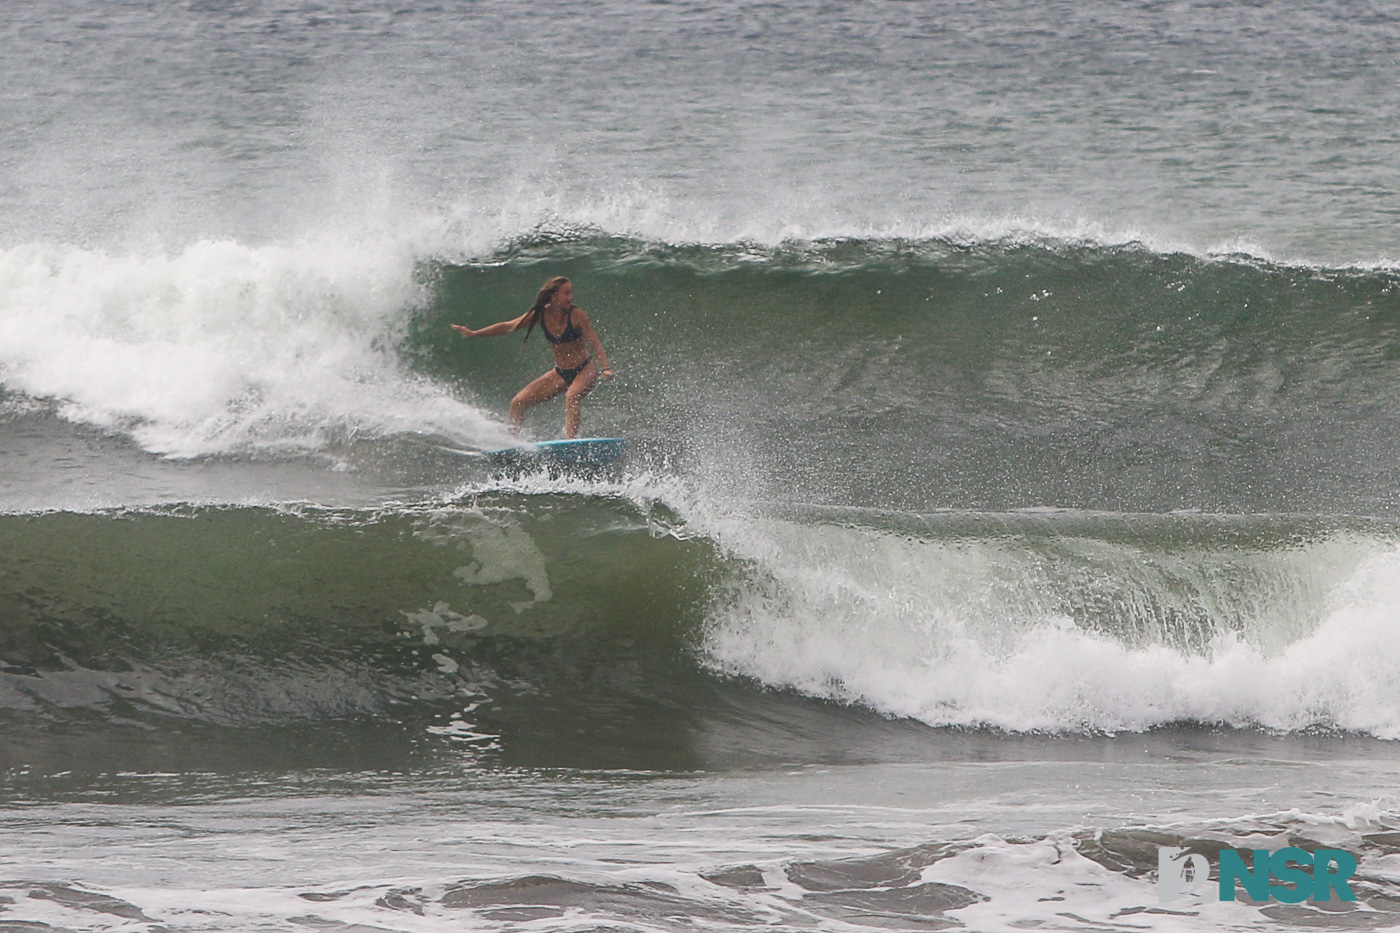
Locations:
(222, 348)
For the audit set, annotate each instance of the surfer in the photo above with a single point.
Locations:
(577, 353)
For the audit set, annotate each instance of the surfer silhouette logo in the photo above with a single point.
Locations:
(1181, 873)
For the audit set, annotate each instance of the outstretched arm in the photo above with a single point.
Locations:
(504, 327)
(594, 344)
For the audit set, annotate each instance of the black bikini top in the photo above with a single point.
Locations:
(570, 333)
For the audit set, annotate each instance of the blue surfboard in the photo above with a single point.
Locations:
(578, 452)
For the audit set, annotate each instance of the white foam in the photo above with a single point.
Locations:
(1022, 879)
(223, 347)
(975, 633)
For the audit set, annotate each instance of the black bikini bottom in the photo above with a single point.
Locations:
(569, 375)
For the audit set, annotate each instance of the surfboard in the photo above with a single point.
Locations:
(577, 452)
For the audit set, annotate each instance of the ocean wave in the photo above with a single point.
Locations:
(911, 374)
(1024, 622)
(1097, 874)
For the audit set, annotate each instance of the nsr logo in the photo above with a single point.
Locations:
(1180, 872)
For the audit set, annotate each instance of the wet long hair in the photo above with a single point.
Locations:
(543, 297)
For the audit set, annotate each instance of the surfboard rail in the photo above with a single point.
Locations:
(572, 452)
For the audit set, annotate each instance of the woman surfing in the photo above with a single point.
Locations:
(577, 353)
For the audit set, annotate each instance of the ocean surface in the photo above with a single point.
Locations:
(1012, 392)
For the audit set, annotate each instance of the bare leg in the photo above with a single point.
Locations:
(541, 390)
(573, 401)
